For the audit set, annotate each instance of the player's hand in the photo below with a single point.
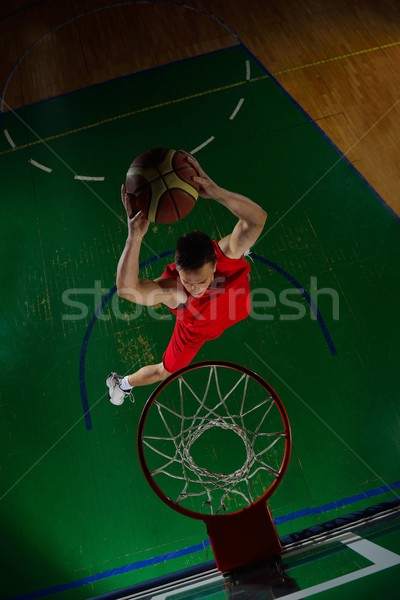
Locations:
(137, 224)
(208, 187)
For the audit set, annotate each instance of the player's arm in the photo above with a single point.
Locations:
(247, 230)
(129, 285)
(251, 216)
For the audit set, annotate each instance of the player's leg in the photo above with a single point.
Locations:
(181, 350)
(119, 387)
(147, 375)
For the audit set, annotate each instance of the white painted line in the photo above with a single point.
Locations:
(9, 138)
(187, 588)
(381, 558)
(211, 139)
(40, 166)
(333, 583)
(87, 178)
(247, 70)
(238, 107)
(373, 552)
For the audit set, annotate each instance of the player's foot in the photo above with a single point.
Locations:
(115, 394)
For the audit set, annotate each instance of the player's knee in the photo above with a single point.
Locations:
(162, 372)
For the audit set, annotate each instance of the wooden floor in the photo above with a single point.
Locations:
(339, 59)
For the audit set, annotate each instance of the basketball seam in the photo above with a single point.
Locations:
(161, 178)
(171, 193)
(161, 175)
(169, 190)
(187, 191)
(174, 203)
(194, 192)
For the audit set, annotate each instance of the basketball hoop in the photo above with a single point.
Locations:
(214, 442)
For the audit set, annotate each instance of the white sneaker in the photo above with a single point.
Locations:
(115, 394)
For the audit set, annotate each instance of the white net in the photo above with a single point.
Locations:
(214, 440)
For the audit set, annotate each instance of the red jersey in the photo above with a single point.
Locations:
(224, 303)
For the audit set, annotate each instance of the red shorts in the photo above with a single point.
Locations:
(183, 346)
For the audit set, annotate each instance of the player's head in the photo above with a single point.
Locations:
(193, 251)
(195, 261)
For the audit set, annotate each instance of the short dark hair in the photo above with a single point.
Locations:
(194, 250)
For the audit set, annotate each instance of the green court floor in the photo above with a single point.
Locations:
(78, 517)
(360, 562)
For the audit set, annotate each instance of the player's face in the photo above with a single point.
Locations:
(197, 281)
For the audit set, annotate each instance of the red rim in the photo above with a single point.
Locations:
(288, 439)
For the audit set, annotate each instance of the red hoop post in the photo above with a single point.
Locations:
(245, 537)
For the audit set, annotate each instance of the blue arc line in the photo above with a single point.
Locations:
(307, 297)
(63, 587)
(82, 359)
(162, 558)
(277, 268)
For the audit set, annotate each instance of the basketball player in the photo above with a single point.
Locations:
(207, 287)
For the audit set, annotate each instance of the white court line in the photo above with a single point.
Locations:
(379, 556)
(238, 107)
(373, 552)
(39, 165)
(247, 70)
(210, 139)
(88, 178)
(188, 588)
(382, 559)
(9, 138)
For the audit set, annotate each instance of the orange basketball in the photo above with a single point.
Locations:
(160, 183)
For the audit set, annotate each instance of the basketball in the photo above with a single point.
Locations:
(160, 183)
